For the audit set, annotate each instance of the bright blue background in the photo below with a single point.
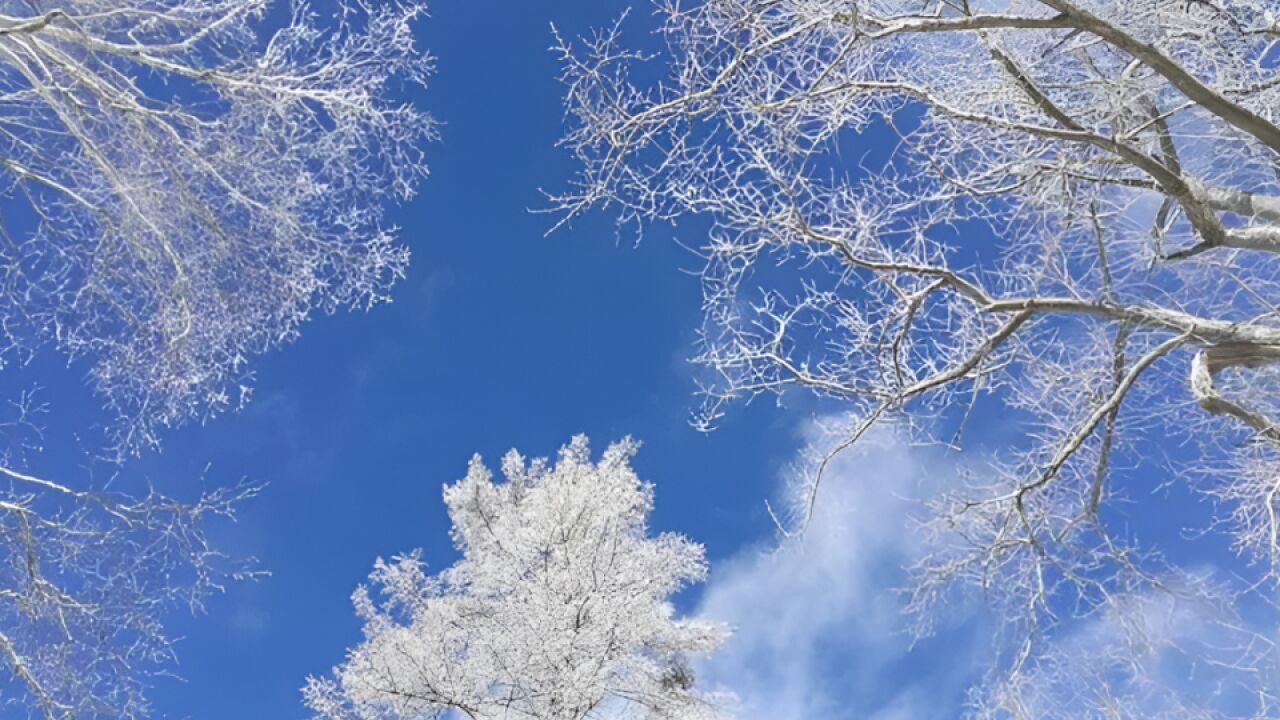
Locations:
(499, 337)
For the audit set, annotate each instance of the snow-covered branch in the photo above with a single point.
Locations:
(1060, 213)
(559, 608)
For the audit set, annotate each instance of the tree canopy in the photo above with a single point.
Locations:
(1073, 228)
(558, 609)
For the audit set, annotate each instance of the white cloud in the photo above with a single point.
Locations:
(818, 628)
(819, 631)
(1154, 655)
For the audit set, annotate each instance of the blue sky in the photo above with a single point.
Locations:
(498, 338)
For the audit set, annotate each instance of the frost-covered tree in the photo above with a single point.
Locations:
(189, 179)
(87, 579)
(1064, 214)
(558, 608)
(182, 183)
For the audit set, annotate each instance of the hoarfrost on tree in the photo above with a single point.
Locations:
(558, 608)
(183, 183)
(1069, 218)
(202, 174)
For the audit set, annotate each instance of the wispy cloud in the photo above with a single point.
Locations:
(818, 627)
(1171, 653)
(819, 630)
